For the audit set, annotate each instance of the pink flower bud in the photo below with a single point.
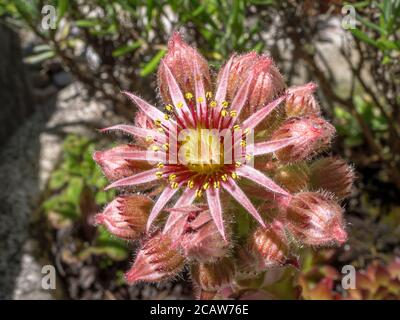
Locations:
(115, 168)
(202, 240)
(333, 175)
(181, 59)
(311, 135)
(270, 246)
(301, 101)
(293, 177)
(159, 259)
(265, 85)
(315, 219)
(213, 276)
(126, 216)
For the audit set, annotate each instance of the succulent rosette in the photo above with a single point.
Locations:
(224, 147)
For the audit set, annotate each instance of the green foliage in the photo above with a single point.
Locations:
(76, 192)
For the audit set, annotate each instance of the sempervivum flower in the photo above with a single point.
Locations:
(200, 151)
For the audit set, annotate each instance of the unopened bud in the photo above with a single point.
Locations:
(293, 177)
(301, 101)
(126, 216)
(213, 276)
(115, 168)
(311, 135)
(158, 260)
(181, 59)
(202, 240)
(270, 246)
(333, 175)
(315, 219)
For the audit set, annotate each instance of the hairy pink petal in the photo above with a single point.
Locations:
(272, 146)
(214, 203)
(260, 115)
(240, 196)
(177, 96)
(258, 177)
(138, 132)
(143, 177)
(165, 196)
(139, 155)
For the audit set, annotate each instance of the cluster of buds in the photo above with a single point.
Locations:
(290, 195)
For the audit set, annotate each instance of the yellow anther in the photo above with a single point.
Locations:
(172, 177)
(149, 139)
(224, 104)
(159, 174)
(243, 143)
(168, 107)
(200, 99)
(233, 113)
(160, 165)
(206, 185)
(224, 113)
(216, 184)
(155, 148)
(174, 185)
(160, 129)
(234, 175)
(224, 177)
(157, 122)
(213, 104)
(165, 146)
(208, 94)
(238, 164)
(179, 105)
(199, 193)
(249, 157)
(190, 184)
(188, 95)
(246, 131)
(236, 127)
(166, 117)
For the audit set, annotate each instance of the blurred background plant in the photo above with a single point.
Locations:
(110, 46)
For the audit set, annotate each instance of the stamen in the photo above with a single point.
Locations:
(159, 174)
(200, 99)
(174, 185)
(166, 117)
(216, 184)
(213, 104)
(248, 157)
(208, 94)
(172, 177)
(238, 164)
(179, 105)
(166, 146)
(188, 95)
(206, 185)
(190, 184)
(243, 143)
(157, 122)
(233, 113)
(236, 127)
(224, 113)
(199, 193)
(168, 107)
(224, 104)
(160, 130)
(224, 177)
(155, 148)
(234, 175)
(149, 139)
(160, 165)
